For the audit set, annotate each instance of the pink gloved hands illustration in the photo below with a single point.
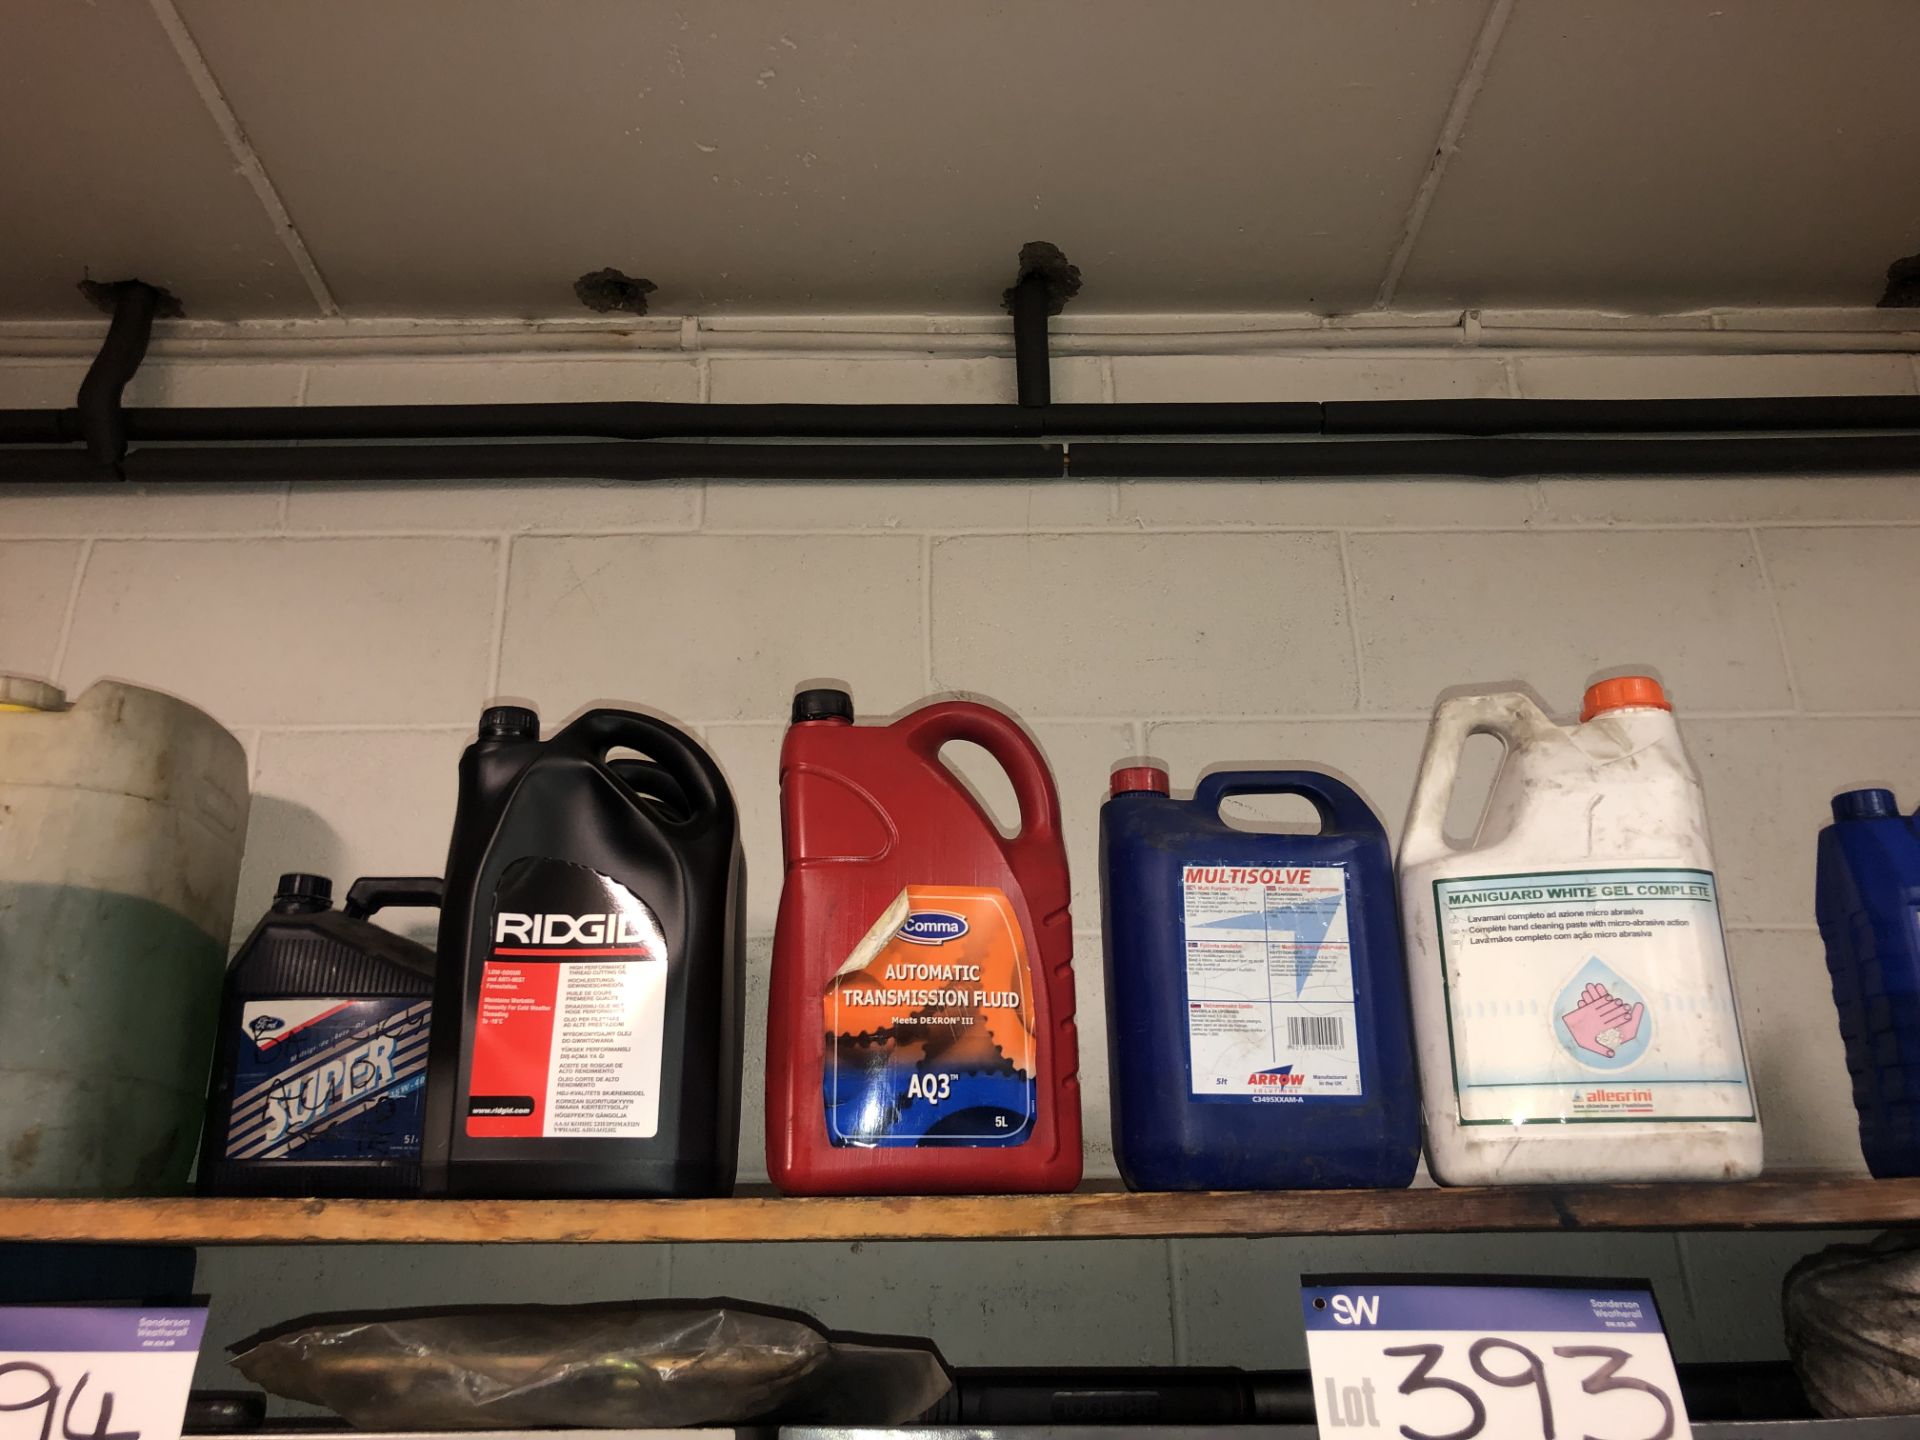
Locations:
(1600, 1021)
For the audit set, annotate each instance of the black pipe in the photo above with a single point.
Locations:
(1491, 458)
(39, 427)
(1587, 417)
(650, 420)
(99, 417)
(608, 460)
(1502, 457)
(1221, 1395)
(663, 420)
(1030, 301)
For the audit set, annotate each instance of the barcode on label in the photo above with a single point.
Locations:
(1316, 1032)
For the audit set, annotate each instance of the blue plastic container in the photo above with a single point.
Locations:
(1867, 899)
(1258, 1024)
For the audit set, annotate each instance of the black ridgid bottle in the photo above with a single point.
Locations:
(587, 1019)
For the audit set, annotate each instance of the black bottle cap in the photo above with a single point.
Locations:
(508, 722)
(822, 705)
(301, 893)
(1864, 805)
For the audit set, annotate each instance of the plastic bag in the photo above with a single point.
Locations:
(1853, 1327)
(617, 1366)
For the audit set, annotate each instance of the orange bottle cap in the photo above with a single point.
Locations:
(1131, 779)
(1623, 692)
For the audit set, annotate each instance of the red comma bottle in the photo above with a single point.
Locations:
(920, 1036)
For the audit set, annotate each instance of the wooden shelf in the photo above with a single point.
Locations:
(1776, 1204)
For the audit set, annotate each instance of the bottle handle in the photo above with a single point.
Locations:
(654, 781)
(671, 749)
(373, 893)
(1340, 807)
(1511, 716)
(925, 731)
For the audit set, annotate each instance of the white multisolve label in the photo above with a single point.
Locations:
(1270, 1005)
(1590, 995)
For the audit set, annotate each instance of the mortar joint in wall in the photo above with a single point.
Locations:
(80, 563)
(1779, 619)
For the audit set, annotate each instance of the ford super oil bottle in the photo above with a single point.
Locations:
(1868, 903)
(1258, 1021)
(920, 1036)
(587, 1022)
(320, 1073)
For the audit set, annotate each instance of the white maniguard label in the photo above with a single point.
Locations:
(1590, 995)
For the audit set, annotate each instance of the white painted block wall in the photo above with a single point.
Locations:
(350, 635)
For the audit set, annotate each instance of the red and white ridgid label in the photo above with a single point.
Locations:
(567, 1048)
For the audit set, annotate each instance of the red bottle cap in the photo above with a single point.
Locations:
(1623, 692)
(1135, 778)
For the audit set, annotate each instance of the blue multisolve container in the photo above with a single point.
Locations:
(1867, 899)
(1258, 1022)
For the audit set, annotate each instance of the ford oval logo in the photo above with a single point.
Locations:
(932, 927)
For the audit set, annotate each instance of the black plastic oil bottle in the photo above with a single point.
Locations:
(587, 1022)
(319, 1077)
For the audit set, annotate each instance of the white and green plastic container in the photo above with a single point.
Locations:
(122, 817)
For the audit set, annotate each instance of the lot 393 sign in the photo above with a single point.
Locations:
(1457, 1360)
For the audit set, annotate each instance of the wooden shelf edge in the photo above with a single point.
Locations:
(1774, 1204)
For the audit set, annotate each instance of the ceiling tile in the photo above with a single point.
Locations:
(1652, 156)
(474, 156)
(113, 168)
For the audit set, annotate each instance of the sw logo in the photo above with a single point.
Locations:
(932, 927)
(1279, 1075)
(265, 1025)
(1356, 1309)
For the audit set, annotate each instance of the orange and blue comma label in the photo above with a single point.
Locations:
(930, 1026)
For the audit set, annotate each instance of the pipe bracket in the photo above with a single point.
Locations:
(1047, 281)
